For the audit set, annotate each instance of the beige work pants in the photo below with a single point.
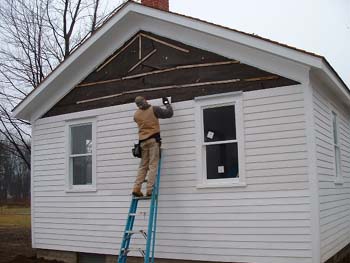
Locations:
(149, 163)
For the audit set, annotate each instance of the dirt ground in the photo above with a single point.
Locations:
(15, 246)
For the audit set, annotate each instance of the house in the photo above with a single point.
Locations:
(256, 160)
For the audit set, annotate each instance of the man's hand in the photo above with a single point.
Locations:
(165, 101)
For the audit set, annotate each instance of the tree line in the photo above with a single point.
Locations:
(14, 174)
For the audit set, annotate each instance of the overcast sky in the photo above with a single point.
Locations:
(319, 26)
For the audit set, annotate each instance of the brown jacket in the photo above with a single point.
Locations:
(147, 120)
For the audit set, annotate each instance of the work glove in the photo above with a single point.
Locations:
(165, 101)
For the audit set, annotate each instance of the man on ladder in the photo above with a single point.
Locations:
(147, 121)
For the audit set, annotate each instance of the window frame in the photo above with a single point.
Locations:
(338, 175)
(212, 101)
(69, 173)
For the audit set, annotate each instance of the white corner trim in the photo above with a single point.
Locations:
(32, 187)
(313, 175)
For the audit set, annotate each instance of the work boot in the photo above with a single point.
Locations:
(137, 192)
(149, 193)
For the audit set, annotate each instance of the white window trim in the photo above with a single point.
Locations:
(338, 176)
(68, 178)
(217, 100)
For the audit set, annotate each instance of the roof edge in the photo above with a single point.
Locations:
(319, 62)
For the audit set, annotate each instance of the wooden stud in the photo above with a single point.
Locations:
(142, 60)
(140, 47)
(262, 78)
(139, 36)
(117, 54)
(161, 88)
(165, 43)
(161, 71)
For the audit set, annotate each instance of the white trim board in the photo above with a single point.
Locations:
(134, 17)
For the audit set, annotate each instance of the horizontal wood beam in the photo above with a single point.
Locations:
(177, 87)
(262, 78)
(160, 71)
(160, 88)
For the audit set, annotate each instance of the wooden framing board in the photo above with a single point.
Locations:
(165, 69)
(161, 71)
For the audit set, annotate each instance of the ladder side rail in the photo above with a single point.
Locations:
(131, 224)
(126, 238)
(156, 212)
(151, 217)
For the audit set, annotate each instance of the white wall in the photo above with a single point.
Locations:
(266, 222)
(334, 199)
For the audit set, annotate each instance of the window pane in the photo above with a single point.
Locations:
(82, 170)
(337, 161)
(222, 161)
(81, 139)
(335, 133)
(219, 124)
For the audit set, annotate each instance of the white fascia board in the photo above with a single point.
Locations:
(229, 48)
(335, 80)
(134, 17)
(291, 54)
(288, 53)
(231, 35)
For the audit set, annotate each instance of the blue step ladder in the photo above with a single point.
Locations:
(150, 234)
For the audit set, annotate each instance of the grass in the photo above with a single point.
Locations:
(14, 216)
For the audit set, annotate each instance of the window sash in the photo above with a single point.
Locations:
(80, 155)
(88, 187)
(337, 153)
(204, 144)
(337, 160)
(213, 101)
(220, 142)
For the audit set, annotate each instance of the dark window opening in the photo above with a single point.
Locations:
(82, 170)
(222, 161)
(219, 124)
(220, 142)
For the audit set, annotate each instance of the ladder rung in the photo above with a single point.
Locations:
(142, 197)
(138, 214)
(135, 231)
(127, 250)
(142, 232)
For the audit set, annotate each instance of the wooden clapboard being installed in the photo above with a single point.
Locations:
(154, 67)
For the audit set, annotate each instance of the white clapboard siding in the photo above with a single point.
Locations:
(266, 221)
(334, 199)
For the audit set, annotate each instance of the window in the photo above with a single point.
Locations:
(220, 140)
(336, 145)
(81, 155)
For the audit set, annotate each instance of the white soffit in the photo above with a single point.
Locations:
(134, 17)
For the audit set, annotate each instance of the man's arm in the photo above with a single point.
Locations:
(163, 113)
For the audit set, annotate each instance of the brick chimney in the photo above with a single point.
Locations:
(160, 4)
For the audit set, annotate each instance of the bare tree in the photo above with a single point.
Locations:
(35, 36)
